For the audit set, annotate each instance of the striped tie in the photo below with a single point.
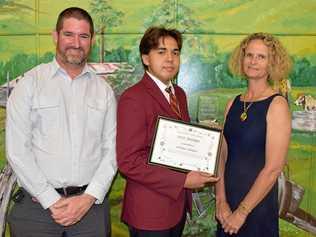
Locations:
(173, 102)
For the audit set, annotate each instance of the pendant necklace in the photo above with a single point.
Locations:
(244, 115)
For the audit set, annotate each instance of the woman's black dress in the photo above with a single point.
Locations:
(246, 142)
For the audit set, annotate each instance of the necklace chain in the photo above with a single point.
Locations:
(244, 115)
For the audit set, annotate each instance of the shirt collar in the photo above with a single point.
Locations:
(56, 68)
(160, 84)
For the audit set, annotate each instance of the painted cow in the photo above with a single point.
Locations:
(307, 102)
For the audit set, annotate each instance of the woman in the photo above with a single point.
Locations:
(257, 131)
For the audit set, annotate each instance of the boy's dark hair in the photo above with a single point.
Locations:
(150, 39)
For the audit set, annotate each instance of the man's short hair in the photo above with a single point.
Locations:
(77, 13)
(150, 39)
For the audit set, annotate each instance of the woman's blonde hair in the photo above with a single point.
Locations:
(279, 61)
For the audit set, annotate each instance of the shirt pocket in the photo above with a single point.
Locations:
(96, 109)
(46, 116)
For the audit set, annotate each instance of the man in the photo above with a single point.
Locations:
(60, 136)
(156, 199)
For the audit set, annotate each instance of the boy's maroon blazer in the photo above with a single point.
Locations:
(154, 197)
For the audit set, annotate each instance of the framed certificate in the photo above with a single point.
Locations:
(185, 146)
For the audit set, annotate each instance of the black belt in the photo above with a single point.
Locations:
(71, 190)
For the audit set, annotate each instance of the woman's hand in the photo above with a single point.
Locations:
(234, 222)
(223, 211)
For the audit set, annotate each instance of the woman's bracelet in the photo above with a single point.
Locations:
(243, 209)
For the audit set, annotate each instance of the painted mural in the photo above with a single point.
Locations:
(212, 28)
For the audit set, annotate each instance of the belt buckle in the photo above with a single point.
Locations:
(65, 191)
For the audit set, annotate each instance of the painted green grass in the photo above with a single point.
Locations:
(115, 196)
(2, 135)
(224, 95)
(301, 159)
(301, 155)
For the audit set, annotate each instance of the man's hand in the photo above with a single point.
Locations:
(53, 209)
(70, 210)
(195, 179)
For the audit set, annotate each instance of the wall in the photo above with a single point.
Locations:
(212, 28)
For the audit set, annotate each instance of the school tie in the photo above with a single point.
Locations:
(174, 104)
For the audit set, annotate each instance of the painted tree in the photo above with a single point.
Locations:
(177, 15)
(173, 16)
(105, 16)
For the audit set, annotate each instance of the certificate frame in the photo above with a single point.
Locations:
(185, 146)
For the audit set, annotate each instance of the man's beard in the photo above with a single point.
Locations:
(75, 59)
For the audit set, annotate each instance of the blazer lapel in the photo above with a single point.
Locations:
(157, 95)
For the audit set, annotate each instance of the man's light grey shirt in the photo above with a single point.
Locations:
(61, 132)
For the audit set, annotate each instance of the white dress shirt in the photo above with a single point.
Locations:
(162, 86)
(61, 132)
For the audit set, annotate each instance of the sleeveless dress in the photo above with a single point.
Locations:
(246, 158)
